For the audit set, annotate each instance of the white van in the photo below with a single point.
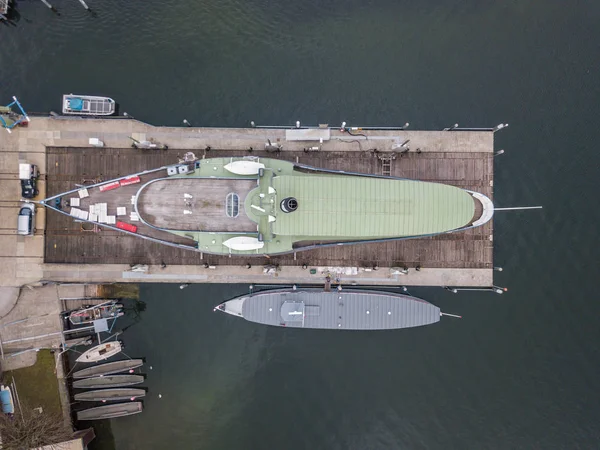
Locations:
(26, 220)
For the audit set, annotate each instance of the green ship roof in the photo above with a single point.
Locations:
(361, 207)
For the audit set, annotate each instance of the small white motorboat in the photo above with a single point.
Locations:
(88, 105)
(101, 352)
(107, 310)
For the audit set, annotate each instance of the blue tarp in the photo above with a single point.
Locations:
(76, 104)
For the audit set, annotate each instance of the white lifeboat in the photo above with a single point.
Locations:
(244, 167)
(243, 243)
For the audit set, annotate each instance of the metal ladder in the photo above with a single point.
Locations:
(386, 164)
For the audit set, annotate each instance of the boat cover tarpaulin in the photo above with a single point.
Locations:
(363, 208)
(76, 104)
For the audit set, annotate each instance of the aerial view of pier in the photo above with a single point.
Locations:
(295, 225)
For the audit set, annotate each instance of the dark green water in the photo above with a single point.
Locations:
(520, 370)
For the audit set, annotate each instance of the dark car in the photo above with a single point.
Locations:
(29, 188)
(28, 174)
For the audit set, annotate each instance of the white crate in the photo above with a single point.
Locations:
(93, 217)
(74, 201)
(83, 193)
(121, 211)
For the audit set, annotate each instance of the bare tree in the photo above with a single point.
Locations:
(32, 429)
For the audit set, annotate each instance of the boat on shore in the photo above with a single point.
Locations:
(339, 310)
(104, 395)
(111, 381)
(6, 399)
(88, 105)
(110, 411)
(100, 352)
(86, 315)
(253, 206)
(109, 368)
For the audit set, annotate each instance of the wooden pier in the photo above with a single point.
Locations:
(71, 242)
(68, 251)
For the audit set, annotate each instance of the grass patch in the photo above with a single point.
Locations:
(37, 385)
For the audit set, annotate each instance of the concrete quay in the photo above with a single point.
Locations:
(22, 259)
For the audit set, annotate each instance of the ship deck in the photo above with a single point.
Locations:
(67, 241)
(162, 203)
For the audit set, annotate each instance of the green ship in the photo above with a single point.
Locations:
(263, 206)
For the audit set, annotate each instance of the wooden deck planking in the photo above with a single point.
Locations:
(162, 204)
(66, 243)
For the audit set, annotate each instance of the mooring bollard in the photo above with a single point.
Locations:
(185, 122)
(453, 127)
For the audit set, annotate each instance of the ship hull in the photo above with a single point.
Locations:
(343, 310)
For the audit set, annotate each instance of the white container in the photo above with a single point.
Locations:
(96, 142)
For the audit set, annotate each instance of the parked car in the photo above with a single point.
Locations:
(28, 174)
(26, 220)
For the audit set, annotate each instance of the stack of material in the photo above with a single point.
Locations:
(99, 212)
(83, 193)
(76, 212)
(74, 201)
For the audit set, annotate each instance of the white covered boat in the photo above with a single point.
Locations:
(101, 352)
(88, 105)
(105, 395)
(110, 411)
